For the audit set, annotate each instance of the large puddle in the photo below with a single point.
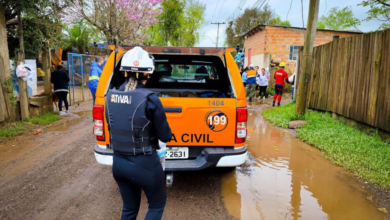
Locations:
(288, 179)
(64, 125)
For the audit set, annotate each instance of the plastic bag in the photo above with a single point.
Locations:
(23, 71)
(162, 153)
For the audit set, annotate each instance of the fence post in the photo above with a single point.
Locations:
(46, 63)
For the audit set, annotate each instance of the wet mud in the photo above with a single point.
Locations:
(66, 124)
(285, 178)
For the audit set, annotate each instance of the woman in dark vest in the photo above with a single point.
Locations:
(137, 121)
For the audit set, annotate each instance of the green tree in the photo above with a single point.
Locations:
(339, 19)
(170, 22)
(278, 21)
(79, 35)
(379, 10)
(193, 21)
(248, 20)
(178, 24)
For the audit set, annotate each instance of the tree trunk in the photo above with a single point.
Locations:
(46, 63)
(23, 96)
(5, 71)
(304, 74)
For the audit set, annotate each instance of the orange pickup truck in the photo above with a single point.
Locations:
(204, 100)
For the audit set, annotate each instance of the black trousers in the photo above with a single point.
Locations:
(62, 97)
(263, 90)
(134, 174)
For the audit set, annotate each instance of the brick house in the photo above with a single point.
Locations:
(266, 44)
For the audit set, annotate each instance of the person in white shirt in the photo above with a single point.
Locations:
(263, 83)
(291, 79)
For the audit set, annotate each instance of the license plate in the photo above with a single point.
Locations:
(177, 153)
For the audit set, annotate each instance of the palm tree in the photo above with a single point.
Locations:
(76, 36)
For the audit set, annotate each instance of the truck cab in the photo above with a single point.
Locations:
(204, 100)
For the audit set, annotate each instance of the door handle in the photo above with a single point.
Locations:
(173, 109)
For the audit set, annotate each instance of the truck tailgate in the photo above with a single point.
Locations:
(201, 121)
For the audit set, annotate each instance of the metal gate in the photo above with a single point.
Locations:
(79, 66)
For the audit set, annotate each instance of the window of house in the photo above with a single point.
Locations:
(294, 52)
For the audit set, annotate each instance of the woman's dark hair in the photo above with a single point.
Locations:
(59, 67)
(246, 69)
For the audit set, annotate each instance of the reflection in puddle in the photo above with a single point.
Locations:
(63, 126)
(288, 179)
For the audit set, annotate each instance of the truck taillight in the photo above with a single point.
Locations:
(242, 117)
(98, 127)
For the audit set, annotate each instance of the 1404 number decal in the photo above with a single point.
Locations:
(216, 103)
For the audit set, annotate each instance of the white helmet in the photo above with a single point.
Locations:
(137, 60)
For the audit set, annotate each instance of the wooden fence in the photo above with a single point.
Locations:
(351, 77)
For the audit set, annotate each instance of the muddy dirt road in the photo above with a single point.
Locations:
(55, 176)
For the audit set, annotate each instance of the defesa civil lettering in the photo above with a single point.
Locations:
(193, 138)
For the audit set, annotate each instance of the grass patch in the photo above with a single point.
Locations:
(280, 116)
(365, 155)
(10, 130)
(45, 119)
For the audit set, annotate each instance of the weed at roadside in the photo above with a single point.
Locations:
(10, 130)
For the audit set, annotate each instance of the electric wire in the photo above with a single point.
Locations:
(223, 3)
(289, 10)
(216, 6)
(326, 6)
(265, 2)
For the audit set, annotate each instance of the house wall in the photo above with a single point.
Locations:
(276, 41)
(257, 44)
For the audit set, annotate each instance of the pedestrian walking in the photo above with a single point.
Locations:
(257, 81)
(60, 80)
(137, 121)
(94, 76)
(280, 76)
(244, 76)
(250, 82)
(263, 83)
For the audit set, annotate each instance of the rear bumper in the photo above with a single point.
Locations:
(209, 157)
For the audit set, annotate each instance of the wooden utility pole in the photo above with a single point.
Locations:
(217, 23)
(304, 74)
(46, 63)
(23, 96)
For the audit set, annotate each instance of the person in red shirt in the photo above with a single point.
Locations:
(280, 77)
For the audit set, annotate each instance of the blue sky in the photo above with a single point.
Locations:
(220, 10)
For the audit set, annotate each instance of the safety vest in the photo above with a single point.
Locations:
(94, 77)
(251, 77)
(130, 131)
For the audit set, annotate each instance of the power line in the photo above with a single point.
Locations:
(265, 2)
(326, 6)
(216, 7)
(303, 20)
(257, 3)
(223, 3)
(289, 10)
(236, 10)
